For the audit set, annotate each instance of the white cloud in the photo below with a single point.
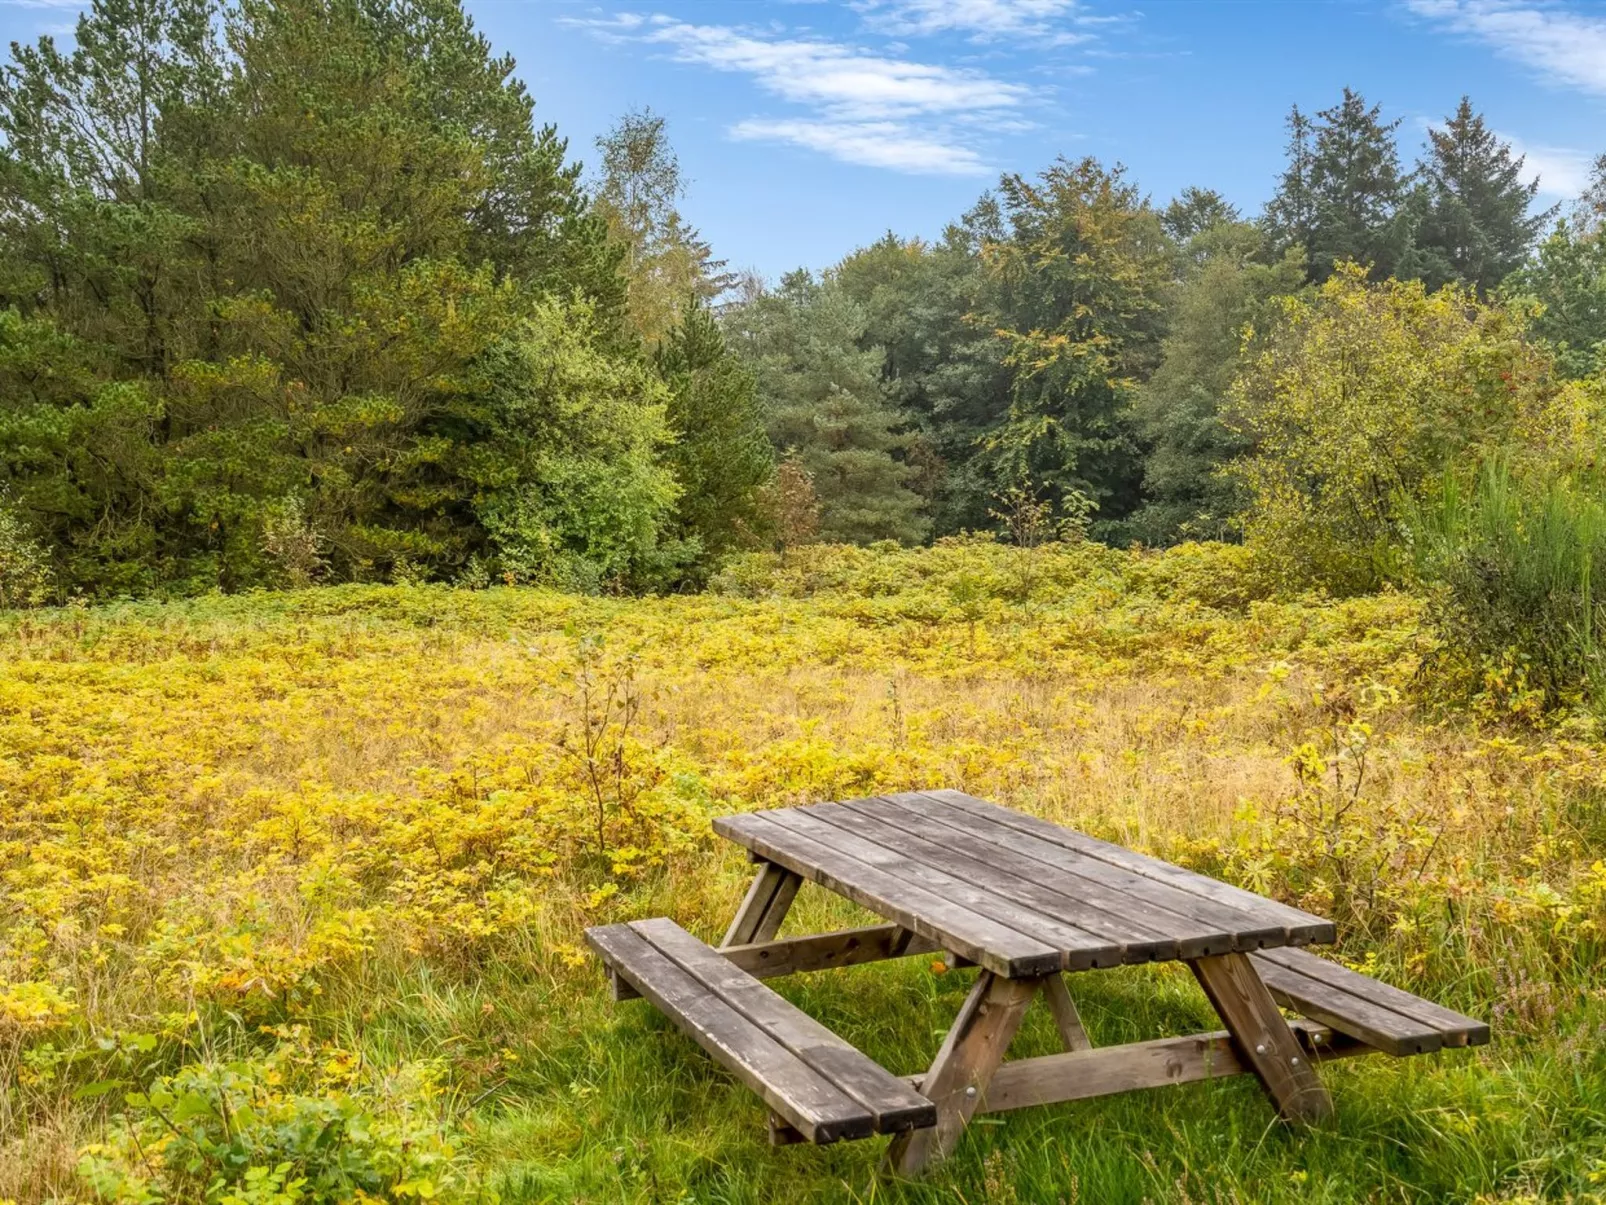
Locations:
(860, 107)
(886, 144)
(982, 19)
(845, 81)
(1563, 172)
(1563, 45)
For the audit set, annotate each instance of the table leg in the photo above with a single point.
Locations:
(1066, 1019)
(964, 1066)
(1263, 1039)
(765, 906)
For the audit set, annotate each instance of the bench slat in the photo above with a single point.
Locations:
(1362, 1007)
(812, 1105)
(890, 1100)
(1455, 1028)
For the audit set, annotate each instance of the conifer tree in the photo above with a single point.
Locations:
(824, 407)
(721, 455)
(1478, 227)
(1343, 194)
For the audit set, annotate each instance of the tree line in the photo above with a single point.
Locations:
(1072, 338)
(300, 290)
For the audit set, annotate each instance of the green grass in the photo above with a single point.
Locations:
(608, 1102)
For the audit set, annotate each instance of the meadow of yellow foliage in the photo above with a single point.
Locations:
(246, 841)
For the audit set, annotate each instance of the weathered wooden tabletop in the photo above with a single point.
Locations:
(1013, 893)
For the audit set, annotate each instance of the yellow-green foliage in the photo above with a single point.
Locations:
(262, 858)
(1362, 395)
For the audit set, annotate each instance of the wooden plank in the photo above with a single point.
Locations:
(1137, 942)
(1264, 1041)
(1301, 927)
(982, 941)
(821, 951)
(765, 906)
(1067, 939)
(1453, 1028)
(1066, 1019)
(1082, 1074)
(963, 1068)
(1024, 863)
(811, 1105)
(890, 1100)
(1388, 1031)
(1201, 926)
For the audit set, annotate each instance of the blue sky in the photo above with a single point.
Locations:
(809, 127)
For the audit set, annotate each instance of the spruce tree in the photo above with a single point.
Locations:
(1343, 195)
(1478, 228)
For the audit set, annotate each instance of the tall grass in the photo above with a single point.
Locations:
(1515, 562)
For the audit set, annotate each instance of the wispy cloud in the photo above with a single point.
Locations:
(846, 81)
(1046, 21)
(887, 144)
(861, 107)
(1562, 44)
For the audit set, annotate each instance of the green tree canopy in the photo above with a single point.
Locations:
(1358, 400)
(1567, 278)
(1076, 281)
(942, 364)
(291, 258)
(1228, 290)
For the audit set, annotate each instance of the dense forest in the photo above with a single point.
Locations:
(303, 292)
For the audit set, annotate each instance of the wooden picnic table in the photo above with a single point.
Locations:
(1023, 900)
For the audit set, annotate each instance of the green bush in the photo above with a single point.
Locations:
(243, 1134)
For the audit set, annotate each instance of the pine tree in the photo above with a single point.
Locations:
(1290, 217)
(296, 261)
(824, 407)
(1343, 195)
(1478, 228)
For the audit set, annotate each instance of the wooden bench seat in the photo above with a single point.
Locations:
(822, 1087)
(1363, 1008)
